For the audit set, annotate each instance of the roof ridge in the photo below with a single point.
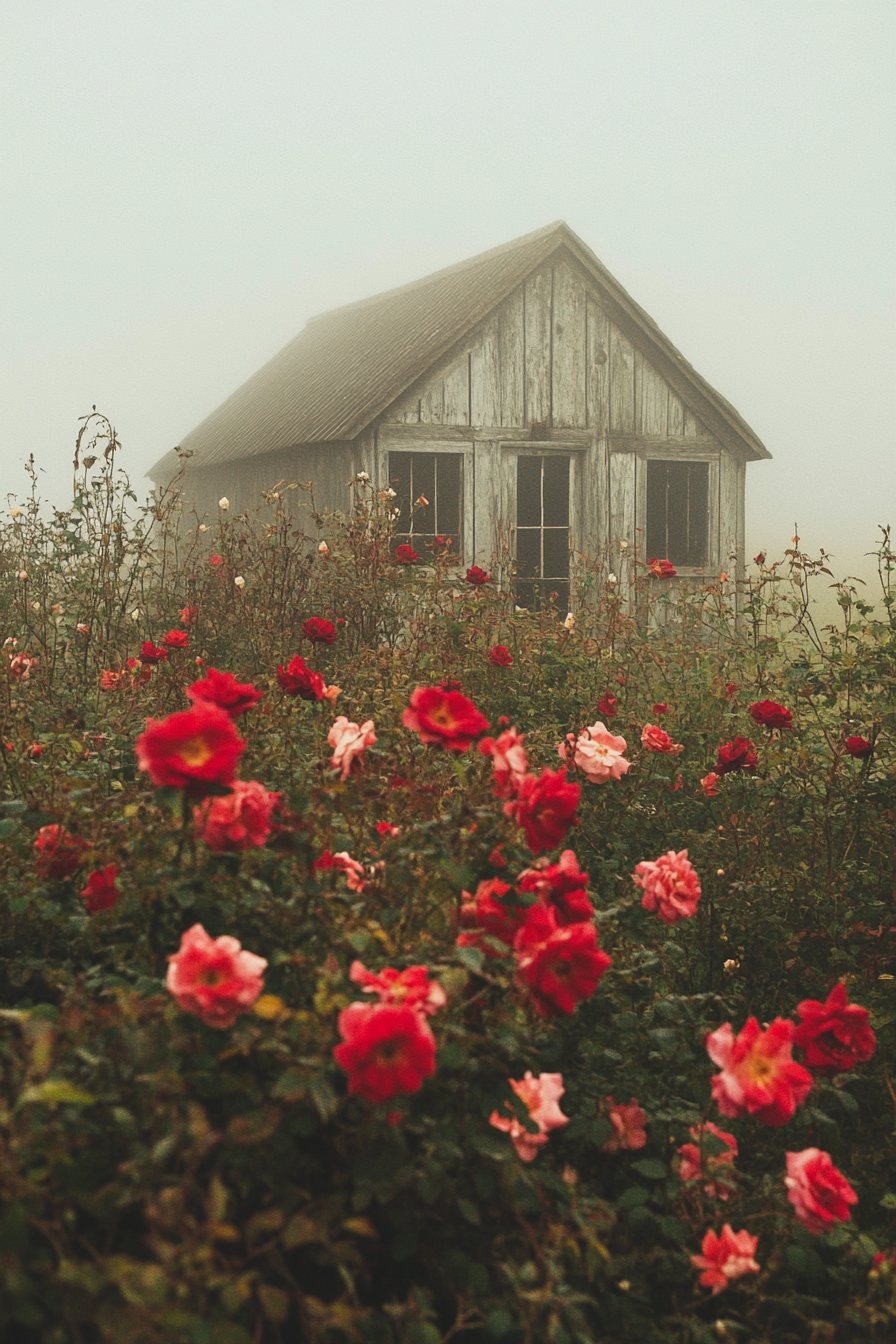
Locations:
(559, 226)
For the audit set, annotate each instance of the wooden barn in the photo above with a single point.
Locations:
(524, 394)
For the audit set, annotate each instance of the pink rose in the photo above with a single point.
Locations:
(758, 1076)
(597, 753)
(350, 742)
(724, 1258)
(238, 820)
(508, 761)
(214, 978)
(628, 1127)
(656, 739)
(670, 885)
(541, 1098)
(818, 1192)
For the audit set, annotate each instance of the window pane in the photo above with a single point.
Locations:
(556, 491)
(698, 513)
(528, 552)
(677, 512)
(423, 482)
(447, 495)
(525, 594)
(528, 491)
(657, 541)
(400, 481)
(556, 552)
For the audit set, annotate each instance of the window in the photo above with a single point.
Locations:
(542, 529)
(436, 477)
(678, 513)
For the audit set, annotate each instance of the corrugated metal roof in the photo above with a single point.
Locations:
(347, 365)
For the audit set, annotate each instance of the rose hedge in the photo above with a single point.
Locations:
(164, 1179)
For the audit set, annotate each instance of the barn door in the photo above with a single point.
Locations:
(542, 530)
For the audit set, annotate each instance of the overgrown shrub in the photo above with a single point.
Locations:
(166, 1181)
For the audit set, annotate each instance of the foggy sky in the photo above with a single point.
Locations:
(185, 183)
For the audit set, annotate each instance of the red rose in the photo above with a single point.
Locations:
(58, 851)
(406, 555)
(319, 631)
(190, 750)
(769, 714)
(561, 887)
(559, 965)
(758, 1076)
(101, 892)
(489, 914)
(661, 708)
(738, 754)
(444, 718)
(388, 1050)
(730, 688)
(297, 679)
(820, 1194)
(500, 656)
(835, 1035)
(239, 820)
(476, 576)
(859, 747)
(176, 639)
(608, 705)
(662, 569)
(544, 808)
(657, 739)
(223, 689)
(215, 560)
(150, 655)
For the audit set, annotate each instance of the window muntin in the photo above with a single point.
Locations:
(437, 477)
(542, 529)
(678, 513)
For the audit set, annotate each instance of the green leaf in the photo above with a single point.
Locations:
(490, 1145)
(888, 1201)
(289, 1086)
(55, 1090)
(634, 1195)
(650, 1167)
(599, 1131)
(324, 1098)
(8, 826)
(471, 957)
(665, 1039)
(469, 1211)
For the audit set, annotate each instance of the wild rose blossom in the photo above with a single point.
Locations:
(149, 655)
(239, 820)
(387, 1050)
(20, 666)
(58, 852)
(835, 1035)
(541, 1098)
(100, 892)
(297, 679)
(724, 1258)
(215, 979)
(500, 656)
(176, 639)
(476, 576)
(711, 1167)
(350, 742)
(859, 747)
(561, 886)
(558, 965)
(597, 752)
(608, 705)
(544, 808)
(819, 1193)
(657, 739)
(738, 754)
(670, 885)
(188, 615)
(708, 784)
(758, 1076)
(111, 681)
(769, 714)
(191, 749)
(343, 863)
(628, 1127)
(411, 987)
(444, 718)
(489, 914)
(223, 689)
(319, 630)
(508, 761)
(406, 555)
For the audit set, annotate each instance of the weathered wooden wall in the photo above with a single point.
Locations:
(328, 466)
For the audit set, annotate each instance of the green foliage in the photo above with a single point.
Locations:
(163, 1182)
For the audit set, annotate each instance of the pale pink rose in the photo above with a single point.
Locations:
(656, 739)
(670, 884)
(820, 1194)
(214, 978)
(597, 752)
(350, 742)
(541, 1097)
(411, 986)
(343, 863)
(240, 819)
(628, 1127)
(709, 783)
(508, 761)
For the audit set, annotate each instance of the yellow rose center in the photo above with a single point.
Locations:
(195, 752)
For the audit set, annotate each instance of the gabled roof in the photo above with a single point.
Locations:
(347, 365)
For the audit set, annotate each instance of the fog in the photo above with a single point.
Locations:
(185, 183)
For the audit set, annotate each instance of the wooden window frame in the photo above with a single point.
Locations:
(467, 484)
(655, 453)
